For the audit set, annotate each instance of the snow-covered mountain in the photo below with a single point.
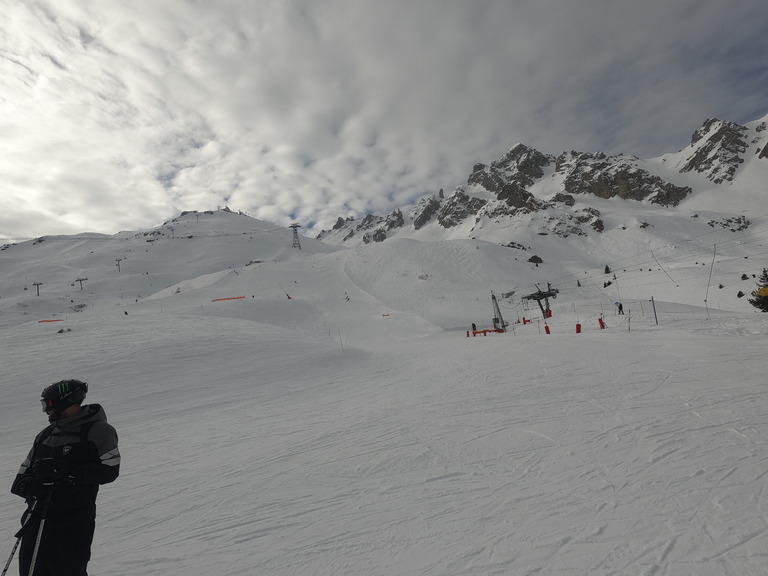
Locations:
(706, 258)
(324, 410)
(545, 194)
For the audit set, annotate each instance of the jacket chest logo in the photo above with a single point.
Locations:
(66, 450)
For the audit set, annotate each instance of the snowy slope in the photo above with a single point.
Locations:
(580, 212)
(316, 434)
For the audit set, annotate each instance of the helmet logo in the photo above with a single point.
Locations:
(60, 395)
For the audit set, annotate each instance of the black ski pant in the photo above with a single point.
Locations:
(65, 544)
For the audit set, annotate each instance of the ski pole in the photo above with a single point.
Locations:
(10, 558)
(18, 535)
(43, 514)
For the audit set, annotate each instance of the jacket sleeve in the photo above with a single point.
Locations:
(24, 485)
(107, 468)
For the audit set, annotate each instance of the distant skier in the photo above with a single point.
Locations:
(621, 307)
(474, 327)
(60, 479)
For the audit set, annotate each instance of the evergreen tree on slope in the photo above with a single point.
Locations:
(760, 296)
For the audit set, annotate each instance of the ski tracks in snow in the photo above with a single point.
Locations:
(499, 455)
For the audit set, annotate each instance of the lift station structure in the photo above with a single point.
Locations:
(540, 295)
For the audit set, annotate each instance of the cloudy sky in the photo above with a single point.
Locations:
(118, 115)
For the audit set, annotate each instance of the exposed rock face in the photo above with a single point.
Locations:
(379, 235)
(370, 221)
(483, 176)
(515, 196)
(425, 210)
(339, 223)
(566, 224)
(395, 220)
(566, 199)
(608, 177)
(458, 207)
(760, 128)
(718, 149)
(521, 165)
(380, 226)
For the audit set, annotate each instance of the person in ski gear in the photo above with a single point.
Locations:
(60, 480)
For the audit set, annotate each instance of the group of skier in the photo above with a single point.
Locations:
(59, 479)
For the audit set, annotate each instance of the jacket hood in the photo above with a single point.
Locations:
(89, 413)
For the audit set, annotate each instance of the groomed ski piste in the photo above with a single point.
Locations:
(321, 435)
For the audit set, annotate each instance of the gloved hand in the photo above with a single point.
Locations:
(27, 487)
(48, 471)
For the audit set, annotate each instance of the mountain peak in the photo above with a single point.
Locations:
(522, 165)
(717, 150)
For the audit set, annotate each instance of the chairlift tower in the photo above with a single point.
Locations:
(498, 321)
(296, 243)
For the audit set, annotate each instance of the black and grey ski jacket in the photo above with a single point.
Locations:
(84, 446)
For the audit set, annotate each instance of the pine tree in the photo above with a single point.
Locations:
(761, 300)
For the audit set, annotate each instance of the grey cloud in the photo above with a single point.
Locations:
(314, 110)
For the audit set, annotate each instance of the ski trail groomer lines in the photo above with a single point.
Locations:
(60, 480)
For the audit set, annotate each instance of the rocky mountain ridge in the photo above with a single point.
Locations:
(559, 192)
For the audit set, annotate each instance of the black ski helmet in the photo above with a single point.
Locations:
(61, 395)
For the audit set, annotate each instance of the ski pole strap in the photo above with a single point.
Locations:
(39, 508)
(43, 509)
(43, 512)
(25, 523)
